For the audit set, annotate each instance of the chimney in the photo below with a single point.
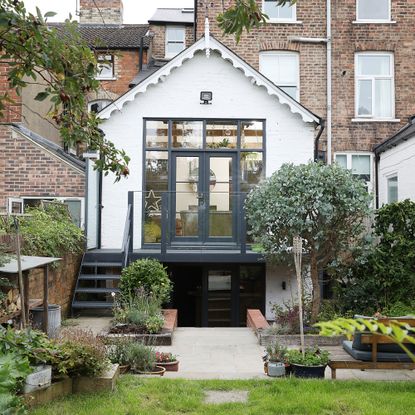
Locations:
(100, 11)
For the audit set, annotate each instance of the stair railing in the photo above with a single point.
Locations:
(127, 238)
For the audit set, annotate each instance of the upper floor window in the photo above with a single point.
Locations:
(175, 40)
(359, 163)
(105, 66)
(282, 68)
(374, 85)
(392, 184)
(98, 105)
(373, 10)
(286, 13)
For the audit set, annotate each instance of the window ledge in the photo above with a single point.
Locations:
(106, 79)
(374, 22)
(376, 120)
(277, 21)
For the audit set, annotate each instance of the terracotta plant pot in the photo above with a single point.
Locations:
(170, 366)
(158, 370)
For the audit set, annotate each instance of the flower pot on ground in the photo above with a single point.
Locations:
(168, 361)
(311, 364)
(156, 370)
(275, 360)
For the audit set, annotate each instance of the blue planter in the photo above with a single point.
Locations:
(276, 369)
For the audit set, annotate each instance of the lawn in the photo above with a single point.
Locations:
(135, 395)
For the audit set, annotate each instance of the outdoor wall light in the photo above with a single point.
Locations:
(206, 97)
(284, 285)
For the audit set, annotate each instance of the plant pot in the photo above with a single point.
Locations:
(288, 369)
(124, 369)
(158, 370)
(170, 366)
(276, 369)
(315, 372)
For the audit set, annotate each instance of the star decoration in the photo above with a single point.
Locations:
(152, 202)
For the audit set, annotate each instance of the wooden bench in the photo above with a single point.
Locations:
(345, 361)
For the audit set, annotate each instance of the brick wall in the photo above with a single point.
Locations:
(28, 170)
(12, 111)
(100, 11)
(348, 38)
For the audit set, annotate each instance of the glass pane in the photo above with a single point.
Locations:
(393, 189)
(175, 34)
(251, 134)
(288, 64)
(251, 165)
(252, 289)
(74, 207)
(286, 12)
(268, 66)
(105, 70)
(221, 135)
(277, 12)
(373, 65)
(373, 9)
(361, 166)
(220, 197)
(383, 98)
(292, 91)
(219, 298)
(187, 134)
(341, 160)
(364, 106)
(157, 134)
(187, 196)
(157, 170)
(174, 48)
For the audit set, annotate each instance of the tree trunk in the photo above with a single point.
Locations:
(315, 309)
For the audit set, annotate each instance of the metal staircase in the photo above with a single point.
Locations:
(100, 273)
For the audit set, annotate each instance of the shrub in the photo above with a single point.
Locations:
(140, 357)
(148, 274)
(118, 350)
(312, 357)
(276, 353)
(82, 354)
(287, 317)
(154, 324)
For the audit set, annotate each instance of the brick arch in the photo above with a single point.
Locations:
(269, 45)
(102, 94)
(379, 46)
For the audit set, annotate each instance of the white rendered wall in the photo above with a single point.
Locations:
(398, 161)
(288, 138)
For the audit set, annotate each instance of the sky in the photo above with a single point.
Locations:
(135, 11)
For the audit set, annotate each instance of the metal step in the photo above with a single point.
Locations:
(92, 304)
(97, 290)
(102, 264)
(99, 277)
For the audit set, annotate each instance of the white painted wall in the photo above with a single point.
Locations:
(398, 161)
(288, 138)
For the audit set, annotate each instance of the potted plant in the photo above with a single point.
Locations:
(310, 364)
(142, 359)
(168, 361)
(275, 365)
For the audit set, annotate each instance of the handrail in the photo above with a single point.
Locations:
(126, 236)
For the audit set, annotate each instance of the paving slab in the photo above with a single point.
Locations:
(219, 397)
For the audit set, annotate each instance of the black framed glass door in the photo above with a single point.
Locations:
(203, 205)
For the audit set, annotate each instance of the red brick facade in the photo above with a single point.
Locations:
(348, 38)
(26, 169)
(158, 49)
(12, 111)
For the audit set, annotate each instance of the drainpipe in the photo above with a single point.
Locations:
(377, 159)
(195, 22)
(317, 139)
(140, 56)
(329, 83)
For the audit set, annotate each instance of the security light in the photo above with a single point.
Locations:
(206, 97)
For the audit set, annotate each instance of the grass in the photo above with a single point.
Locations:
(135, 395)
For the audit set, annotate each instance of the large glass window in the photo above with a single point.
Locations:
(373, 10)
(105, 67)
(175, 40)
(282, 68)
(360, 165)
(276, 13)
(374, 85)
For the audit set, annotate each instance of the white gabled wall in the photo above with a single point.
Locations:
(288, 137)
(398, 161)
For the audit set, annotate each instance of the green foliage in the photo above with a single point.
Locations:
(148, 274)
(383, 273)
(276, 352)
(62, 62)
(312, 357)
(82, 354)
(324, 204)
(398, 332)
(155, 323)
(118, 350)
(140, 357)
(50, 232)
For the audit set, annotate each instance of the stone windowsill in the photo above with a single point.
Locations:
(394, 120)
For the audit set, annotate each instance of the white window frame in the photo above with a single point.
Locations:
(283, 20)
(166, 43)
(52, 198)
(388, 20)
(112, 63)
(349, 165)
(277, 53)
(389, 177)
(373, 78)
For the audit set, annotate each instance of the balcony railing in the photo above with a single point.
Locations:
(190, 220)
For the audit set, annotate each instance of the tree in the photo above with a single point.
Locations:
(244, 15)
(64, 64)
(324, 204)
